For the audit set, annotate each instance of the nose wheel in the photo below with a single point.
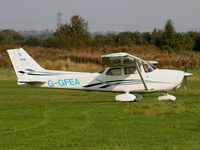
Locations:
(167, 96)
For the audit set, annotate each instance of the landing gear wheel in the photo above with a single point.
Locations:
(166, 96)
(127, 97)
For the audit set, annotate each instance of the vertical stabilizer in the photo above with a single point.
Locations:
(22, 61)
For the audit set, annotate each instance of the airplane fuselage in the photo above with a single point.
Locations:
(157, 80)
(126, 73)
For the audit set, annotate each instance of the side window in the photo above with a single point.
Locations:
(130, 70)
(114, 71)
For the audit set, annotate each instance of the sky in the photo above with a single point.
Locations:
(101, 15)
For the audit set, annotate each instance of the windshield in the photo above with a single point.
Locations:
(102, 71)
(153, 66)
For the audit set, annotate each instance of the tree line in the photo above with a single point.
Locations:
(75, 35)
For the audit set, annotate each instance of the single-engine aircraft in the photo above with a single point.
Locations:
(125, 73)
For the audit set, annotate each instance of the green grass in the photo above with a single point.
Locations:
(53, 119)
(7, 74)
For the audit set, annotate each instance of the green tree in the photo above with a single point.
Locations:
(170, 40)
(72, 35)
(34, 41)
(156, 37)
(124, 39)
(146, 38)
(99, 40)
(8, 37)
(196, 37)
(197, 44)
(137, 38)
(186, 41)
(169, 31)
(172, 44)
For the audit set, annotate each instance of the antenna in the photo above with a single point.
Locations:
(59, 19)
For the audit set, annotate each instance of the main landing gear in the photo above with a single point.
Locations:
(127, 97)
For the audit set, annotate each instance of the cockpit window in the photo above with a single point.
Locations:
(102, 71)
(130, 70)
(153, 66)
(114, 71)
(147, 67)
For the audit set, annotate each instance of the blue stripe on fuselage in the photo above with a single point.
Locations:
(63, 82)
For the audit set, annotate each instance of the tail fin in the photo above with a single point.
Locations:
(22, 61)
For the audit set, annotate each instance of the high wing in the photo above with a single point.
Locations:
(119, 60)
(124, 60)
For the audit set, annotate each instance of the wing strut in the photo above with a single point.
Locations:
(139, 71)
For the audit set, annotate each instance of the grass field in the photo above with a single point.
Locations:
(37, 119)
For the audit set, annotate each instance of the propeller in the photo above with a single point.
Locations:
(185, 79)
(186, 74)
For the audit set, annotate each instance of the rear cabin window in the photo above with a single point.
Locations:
(114, 72)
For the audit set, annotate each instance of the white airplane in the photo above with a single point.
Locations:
(125, 73)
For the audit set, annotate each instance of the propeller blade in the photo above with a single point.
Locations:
(186, 74)
(185, 82)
